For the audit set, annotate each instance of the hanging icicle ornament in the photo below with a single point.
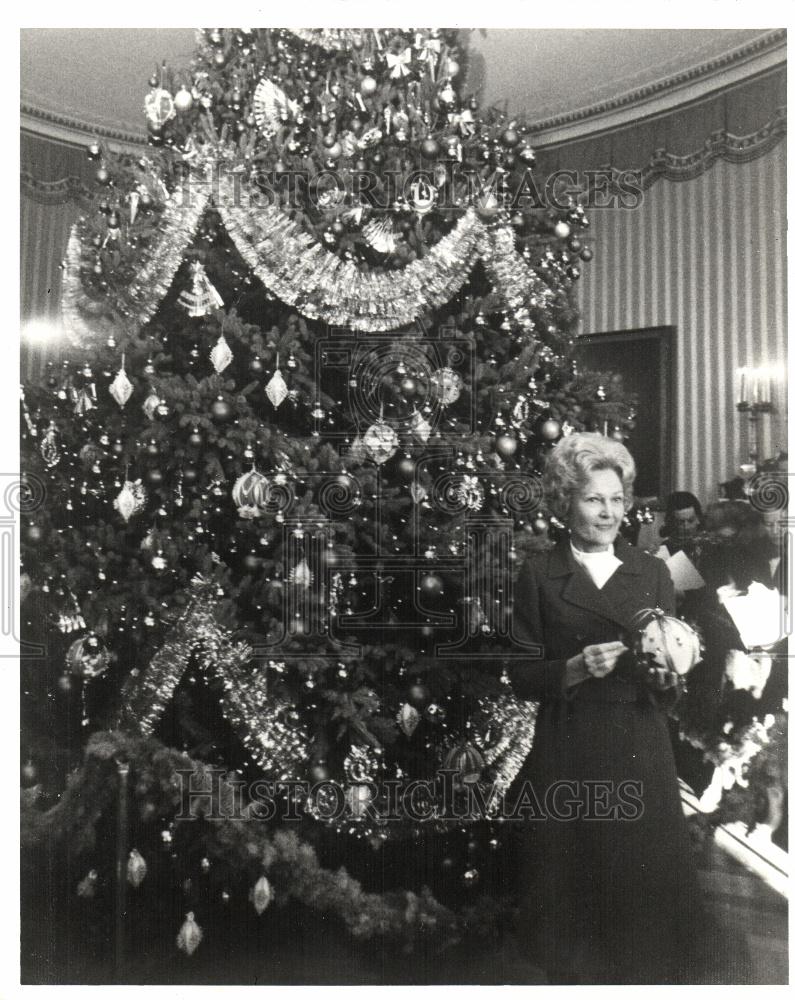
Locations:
(261, 895)
(49, 447)
(276, 389)
(121, 388)
(131, 500)
(448, 384)
(301, 575)
(221, 356)
(420, 427)
(251, 494)
(203, 297)
(190, 935)
(136, 868)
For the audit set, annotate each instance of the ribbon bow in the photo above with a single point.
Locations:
(399, 64)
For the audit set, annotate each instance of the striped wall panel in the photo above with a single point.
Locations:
(707, 256)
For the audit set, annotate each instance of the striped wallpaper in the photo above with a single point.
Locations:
(707, 256)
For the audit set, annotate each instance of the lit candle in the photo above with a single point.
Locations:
(741, 386)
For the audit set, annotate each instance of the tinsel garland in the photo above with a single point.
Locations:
(277, 745)
(403, 917)
(508, 725)
(157, 266)
(301, 272)
(320, 285)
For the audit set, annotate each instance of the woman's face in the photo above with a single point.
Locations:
(597, 510)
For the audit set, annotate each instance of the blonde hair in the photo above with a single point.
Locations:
(574, 458)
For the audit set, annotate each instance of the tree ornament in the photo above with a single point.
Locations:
(408, 718)
(666, 650)
(190, 935)
(203, 297)
(131, 500)
(361, 764)
(418, 694)
(159, 107)
(540, 525)
(379, 234)
(418, 492)
(509, 138)
(448, 384)
(87, 657)
(150, 405)
(468, 763)
(159, 562)
(220, 410)
(87, 887)
(64, 683)
(432, 585)
(368, 86)
(49, 447)
(29, 774)
(251, 494)
(471, 877)
(586, 254)
(407, 467)
(527, 156)
(358, 798)
(136, 868)
(276, 389)
(469, 492)
(550, 430)
(420, 427)
(506, 445)
(183, 100)
(221, 356)
(121, 388)
(261, 895)
(423, 197)
(380, 441)
(93, 151)
(301, 575)
(430, 148)
(271, 104)
(487, 205)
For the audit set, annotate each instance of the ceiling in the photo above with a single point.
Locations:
(98, 77)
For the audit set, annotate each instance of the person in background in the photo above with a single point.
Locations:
(683, 520)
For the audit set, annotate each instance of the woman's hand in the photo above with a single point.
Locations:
(599, 660)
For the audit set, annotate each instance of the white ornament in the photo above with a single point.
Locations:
(190, 935)
(420, 427)
(423, 197)
(261, 895)
(276, 389)
(159, 106)
(448, 383)
(121, 387)
(221, 356)
(470, 493)
(408, 718)
(270, 102)
(150, 405)
(378, 234)
(136, 868)
(418, 492)
(381, 441)
(131, 499)
(301, 575)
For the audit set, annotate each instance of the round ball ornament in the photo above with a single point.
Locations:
(381, 441)
(550, 430)
(448, 385)
(183, 101)
(468, 763)
(430, 148)
(432, 585)
(87, 657)
(159, 107)
(29, 774)
(368, 86)
(509, 138)
(586, 254)
(418, 695)
(506, 445)
(221, 410)
(666, 650)
(250, 494)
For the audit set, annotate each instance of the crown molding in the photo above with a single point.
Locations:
(75, 131)
(762, 55)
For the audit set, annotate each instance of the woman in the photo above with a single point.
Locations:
(610, 895)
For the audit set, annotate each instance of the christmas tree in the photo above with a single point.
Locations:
(321, 342)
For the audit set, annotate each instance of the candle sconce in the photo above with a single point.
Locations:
(754, 397)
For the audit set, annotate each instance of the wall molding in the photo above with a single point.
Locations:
(763, 54)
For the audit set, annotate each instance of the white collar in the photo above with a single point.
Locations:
(600, 566)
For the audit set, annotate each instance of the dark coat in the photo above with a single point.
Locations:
(615, 899)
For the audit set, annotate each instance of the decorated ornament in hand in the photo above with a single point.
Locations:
(666, 650)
